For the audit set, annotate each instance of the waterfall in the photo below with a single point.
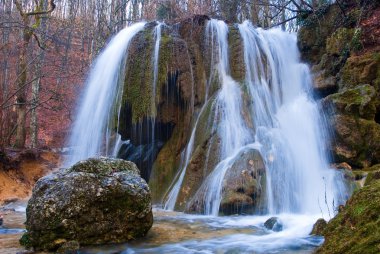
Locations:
(288, 124)
(92, 131)
(286, 127)
(270, 111)
(231, 128)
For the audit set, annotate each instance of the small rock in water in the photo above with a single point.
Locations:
(318, 227)
(274, 224)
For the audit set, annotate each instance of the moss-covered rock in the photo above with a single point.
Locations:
(352, 115)
(356, 141)
(97, 201)
(360, 101)
(361, 69)
(316, 28)
(319, 227)
(356, 228)
(236, 54)
(339, 41)
(372, 176)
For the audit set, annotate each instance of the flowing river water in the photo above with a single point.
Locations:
(176, 233)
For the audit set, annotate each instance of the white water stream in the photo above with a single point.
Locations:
(101, 99)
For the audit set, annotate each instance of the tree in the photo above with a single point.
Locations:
(28, 32)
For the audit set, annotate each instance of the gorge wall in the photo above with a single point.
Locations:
(342, 45)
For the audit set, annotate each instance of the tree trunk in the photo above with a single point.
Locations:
(21, 97)
(36, 85)
(255, 13)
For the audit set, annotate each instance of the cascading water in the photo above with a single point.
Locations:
(285, 125)
(288, 125)
(101, 99)
(231, 128)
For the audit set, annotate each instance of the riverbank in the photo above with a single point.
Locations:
(21, 170)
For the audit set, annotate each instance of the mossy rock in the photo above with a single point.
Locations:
(97, 201)
(319, 227)
(360, 101)
(236, 54)
(166, 165)
(373, 168)
(356, 228)
(340, 41)
(315, 30)
(372, 176)
(356, 141)
(361, 69)
(104, 166)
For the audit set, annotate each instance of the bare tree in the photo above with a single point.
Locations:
(27, 34)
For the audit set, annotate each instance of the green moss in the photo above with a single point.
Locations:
(139, 76)
(360, 101)
(236, 54)
(372, 176)
(25, 240)
(318, 227)
(166, 165)
(103, 166)
(166, 54)
(361, 69)
(356, 229)
(340, 41)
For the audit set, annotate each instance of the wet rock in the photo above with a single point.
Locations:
(274, 224)
(356, 228)
(318, 227)
(244, 185)
(96, 201)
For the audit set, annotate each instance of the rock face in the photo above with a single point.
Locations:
(356, 228)
(346, 65)
(357, 135)
(96, 201)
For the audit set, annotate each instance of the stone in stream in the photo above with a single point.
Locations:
(274, 224)
(96, 201)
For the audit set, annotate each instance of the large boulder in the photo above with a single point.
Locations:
(356, 228)
(96, 201)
